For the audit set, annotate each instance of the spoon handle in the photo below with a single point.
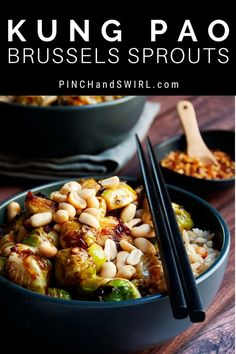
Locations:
(188, 120)
(196, 146)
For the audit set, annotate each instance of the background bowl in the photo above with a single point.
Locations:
(58, 131)
(223, 140)
(92, 327)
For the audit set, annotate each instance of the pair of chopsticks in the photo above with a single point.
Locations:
(183, 292)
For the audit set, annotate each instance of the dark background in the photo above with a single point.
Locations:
(201, 78)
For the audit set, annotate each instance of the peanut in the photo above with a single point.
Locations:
(128, 213)
(61, 216)
(108, 270)
(41, 219)
(134, 257)
(69, 208)
(126, 246)
(69, 187)
(110, 182)
(75, 200)
(85, 193)
(144, 230)
(12, 210)
(58, 197)
(126, 271)
(110, 250)
(89, 219)
(144, 245)
(46, 249)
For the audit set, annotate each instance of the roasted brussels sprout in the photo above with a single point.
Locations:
(118, 290)
(36, 204)
(35, 237)
(87, 288)
(27, 268)
(183, 218)
(72, 265)
(3, 262)
(53, 237)
(6, 243)
(59, 293)
(75, 234)
(98, 255)
(150, 271)
(119, 196)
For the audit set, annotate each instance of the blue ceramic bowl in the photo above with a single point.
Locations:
(93, 327)
(58, 131)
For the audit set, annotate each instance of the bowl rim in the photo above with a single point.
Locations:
(99, 105)
(125, 303)
(181, 136)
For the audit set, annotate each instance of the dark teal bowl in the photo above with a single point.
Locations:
(93, 327)
(223, 140)
(59, 131)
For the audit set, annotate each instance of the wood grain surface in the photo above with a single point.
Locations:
(216, 334)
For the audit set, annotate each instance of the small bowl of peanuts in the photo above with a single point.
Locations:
(189, 173)
(81, 259)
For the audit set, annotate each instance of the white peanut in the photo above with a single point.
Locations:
(75, 200)
(12, 210)
(61, 216)
(47, 249)
(134, 257)
(126, 271)
(144, 245)
(134, 222)
(92, 211)
(89, 219)
(58, 197)
(121, 258)
(69, 208)
(144, 230)
(92, 202)
(108, 270)
(69, 187)
(126, 246)
(85, 193)
(128, 213)
(110, 250)
(41, 219)
(110, 182)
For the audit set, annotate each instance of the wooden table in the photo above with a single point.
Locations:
(216, 334)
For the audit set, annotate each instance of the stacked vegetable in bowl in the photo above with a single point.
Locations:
(92, 240)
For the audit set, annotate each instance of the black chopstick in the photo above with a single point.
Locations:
(176, 295)
(192, 296)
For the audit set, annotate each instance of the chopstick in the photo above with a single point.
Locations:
(177, 270)
(176, 295)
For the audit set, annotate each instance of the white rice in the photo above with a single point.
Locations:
(199, 247)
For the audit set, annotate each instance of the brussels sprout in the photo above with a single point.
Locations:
(117, 290)
(27, 268)
(35, 237)
(90, 183)
(86, 289)
(72, 265)
(36, 204)
(97, 254)
(119, 196)
(53, 237)
(59, 293)
(75, 234)
(3, 262)
(150, 270)
(6, 243)
(183, 218)
(102, 207)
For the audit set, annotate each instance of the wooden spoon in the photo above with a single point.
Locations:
(195, 144)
